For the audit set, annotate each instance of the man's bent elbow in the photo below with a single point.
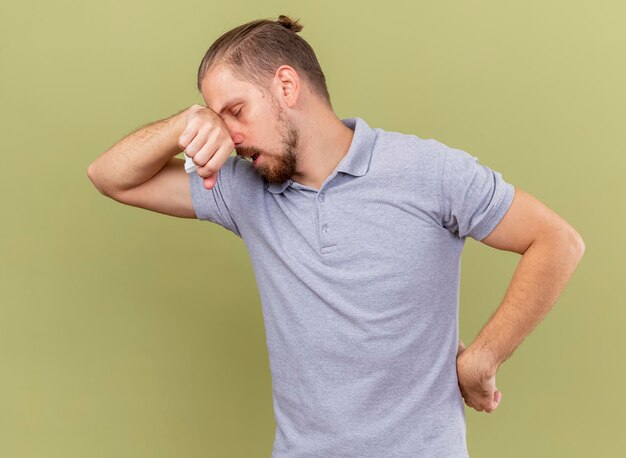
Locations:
(570, 238)
(575, 244)
(580, 243)
(92, 175)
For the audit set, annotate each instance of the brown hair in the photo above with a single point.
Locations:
(254, 50)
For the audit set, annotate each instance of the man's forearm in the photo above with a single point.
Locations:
(539, 278)
(139, 156)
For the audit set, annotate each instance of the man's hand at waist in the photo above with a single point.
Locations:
(477, 379)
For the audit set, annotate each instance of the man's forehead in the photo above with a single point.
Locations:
(222, 90)
(220, 100)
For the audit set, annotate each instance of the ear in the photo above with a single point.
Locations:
(289, 84)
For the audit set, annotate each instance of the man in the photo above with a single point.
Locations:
(355, 235)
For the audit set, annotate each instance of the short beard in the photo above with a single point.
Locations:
(283, 165)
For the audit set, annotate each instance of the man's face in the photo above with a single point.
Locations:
(256, 121)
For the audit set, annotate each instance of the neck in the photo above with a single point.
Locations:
(323, 143)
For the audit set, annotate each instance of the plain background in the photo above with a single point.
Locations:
(128, 333)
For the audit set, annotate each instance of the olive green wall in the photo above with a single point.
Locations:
(127, 333)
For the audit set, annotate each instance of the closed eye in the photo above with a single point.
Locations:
(238, 111)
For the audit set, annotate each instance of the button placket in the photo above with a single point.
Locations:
(326, 244)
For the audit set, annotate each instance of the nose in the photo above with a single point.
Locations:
(236, 138)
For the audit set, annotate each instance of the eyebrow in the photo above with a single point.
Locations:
(230, 103)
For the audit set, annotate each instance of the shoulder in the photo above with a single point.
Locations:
(239, 173)
(418, 159)
(404, 146)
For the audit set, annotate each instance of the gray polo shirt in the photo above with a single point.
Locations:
(359, 287)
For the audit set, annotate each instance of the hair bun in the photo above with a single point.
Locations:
(289, 23)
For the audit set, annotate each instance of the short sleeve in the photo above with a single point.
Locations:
(217, 204)
(474, 197)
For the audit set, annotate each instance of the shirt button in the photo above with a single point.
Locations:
(321, 197)
(325, 228)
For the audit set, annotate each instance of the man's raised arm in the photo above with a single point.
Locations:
(141, 170)
(139, 156)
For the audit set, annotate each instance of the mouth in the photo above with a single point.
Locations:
(252, 158)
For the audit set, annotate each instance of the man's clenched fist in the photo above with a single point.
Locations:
(477, 379)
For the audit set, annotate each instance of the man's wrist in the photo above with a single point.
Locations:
(487, 357)
(178, 123)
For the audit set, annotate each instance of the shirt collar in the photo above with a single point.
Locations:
(357, 159)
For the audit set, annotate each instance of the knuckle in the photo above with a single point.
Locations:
(199, 160)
